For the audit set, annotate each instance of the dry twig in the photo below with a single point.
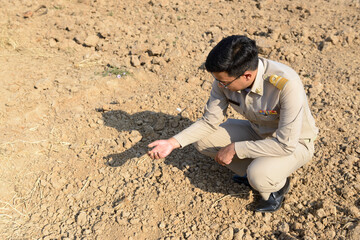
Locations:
(228, 195)
(86, 183)
(12, 207)
(5, 215)
(143, 158)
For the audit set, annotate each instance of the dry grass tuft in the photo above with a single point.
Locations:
(88, 63)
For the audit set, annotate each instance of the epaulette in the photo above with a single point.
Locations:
(277, 81)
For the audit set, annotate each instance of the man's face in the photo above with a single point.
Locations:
(233, 83)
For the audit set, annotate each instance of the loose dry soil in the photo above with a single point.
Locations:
(86, 85)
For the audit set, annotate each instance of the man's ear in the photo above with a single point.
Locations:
(248, 75)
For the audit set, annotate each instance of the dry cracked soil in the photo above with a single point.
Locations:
(86, 85)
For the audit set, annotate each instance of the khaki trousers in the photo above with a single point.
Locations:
(265, 174)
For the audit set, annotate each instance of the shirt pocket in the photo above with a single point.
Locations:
(267, 119)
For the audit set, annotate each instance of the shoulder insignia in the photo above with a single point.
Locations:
(278, 81)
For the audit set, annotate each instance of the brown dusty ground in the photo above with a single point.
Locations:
(74, 131)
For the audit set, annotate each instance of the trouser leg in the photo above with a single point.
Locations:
(232, 130)
(265, 174)
(268, 174)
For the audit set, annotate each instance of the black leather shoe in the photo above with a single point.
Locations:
(241, 180)
(275, 200)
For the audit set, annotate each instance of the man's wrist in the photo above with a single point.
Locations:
(232, 147)
(174, 143)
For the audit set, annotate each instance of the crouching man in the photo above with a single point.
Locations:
(276, 139)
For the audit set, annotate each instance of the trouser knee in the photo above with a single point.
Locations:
(256, 177)
(203, 148)
(262, 179)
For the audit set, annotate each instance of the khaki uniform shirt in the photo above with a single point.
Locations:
(276, 107)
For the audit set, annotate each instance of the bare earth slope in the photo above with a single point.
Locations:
(86, 85)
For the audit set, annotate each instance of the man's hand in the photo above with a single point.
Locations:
(162, 148)
(225, 155)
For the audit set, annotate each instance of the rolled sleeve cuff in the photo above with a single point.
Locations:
(241, 150)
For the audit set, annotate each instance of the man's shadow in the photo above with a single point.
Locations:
(136, 131)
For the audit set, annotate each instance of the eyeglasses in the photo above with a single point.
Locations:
(226, 85)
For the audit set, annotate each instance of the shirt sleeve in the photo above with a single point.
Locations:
(214, 113)
(287, 135)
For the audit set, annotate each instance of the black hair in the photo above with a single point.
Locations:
(235, 55)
